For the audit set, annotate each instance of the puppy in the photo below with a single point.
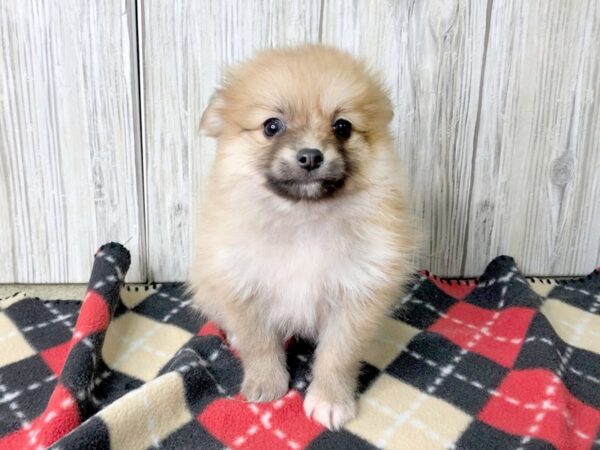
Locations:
(304, 228)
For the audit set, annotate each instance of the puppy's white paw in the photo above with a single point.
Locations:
(329, 413)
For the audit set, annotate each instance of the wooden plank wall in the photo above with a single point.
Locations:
(497, 121)
(535, 193)
(186, 44)
(496, 117)
(69, 168)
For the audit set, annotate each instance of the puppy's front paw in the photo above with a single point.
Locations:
(330, 412)
(265, 385)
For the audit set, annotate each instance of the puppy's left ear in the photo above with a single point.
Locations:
(211, 123)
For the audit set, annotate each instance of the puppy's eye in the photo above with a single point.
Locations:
(272, 127)
(342, 129)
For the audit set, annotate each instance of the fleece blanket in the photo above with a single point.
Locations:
(503, 361)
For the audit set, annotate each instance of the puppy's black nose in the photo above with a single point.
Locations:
(309, 158)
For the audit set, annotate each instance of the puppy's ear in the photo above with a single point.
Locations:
(211, 123)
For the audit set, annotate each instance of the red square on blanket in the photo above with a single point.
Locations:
(55, 357)
(497, 335)
(211, 329)
(59, 418)
(536, 403)
(279, 424)
(94, 316)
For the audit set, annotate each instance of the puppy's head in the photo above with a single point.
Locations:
(305, 121)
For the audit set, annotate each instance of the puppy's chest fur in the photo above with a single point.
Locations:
(299, 270)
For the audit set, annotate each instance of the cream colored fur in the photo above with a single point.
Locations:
(267, 267)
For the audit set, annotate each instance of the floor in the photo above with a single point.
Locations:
(46, 291)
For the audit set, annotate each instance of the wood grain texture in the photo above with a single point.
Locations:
(68, 155)
(430, 55)
(186, 45)
(495, 117)
(536, 189)
(497, 122)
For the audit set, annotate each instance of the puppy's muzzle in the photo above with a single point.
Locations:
(309, 158)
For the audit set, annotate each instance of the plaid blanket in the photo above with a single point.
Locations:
(503, 361)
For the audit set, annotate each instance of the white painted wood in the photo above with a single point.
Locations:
(68, 152)
(430, 54)
(497, 121)
(536, 189)
(186, 44)
(496, 118)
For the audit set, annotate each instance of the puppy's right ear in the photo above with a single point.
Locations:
(211, 123)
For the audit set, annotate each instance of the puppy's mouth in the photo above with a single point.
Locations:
(294, 184)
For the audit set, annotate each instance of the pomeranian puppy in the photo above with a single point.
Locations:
(304, 228)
